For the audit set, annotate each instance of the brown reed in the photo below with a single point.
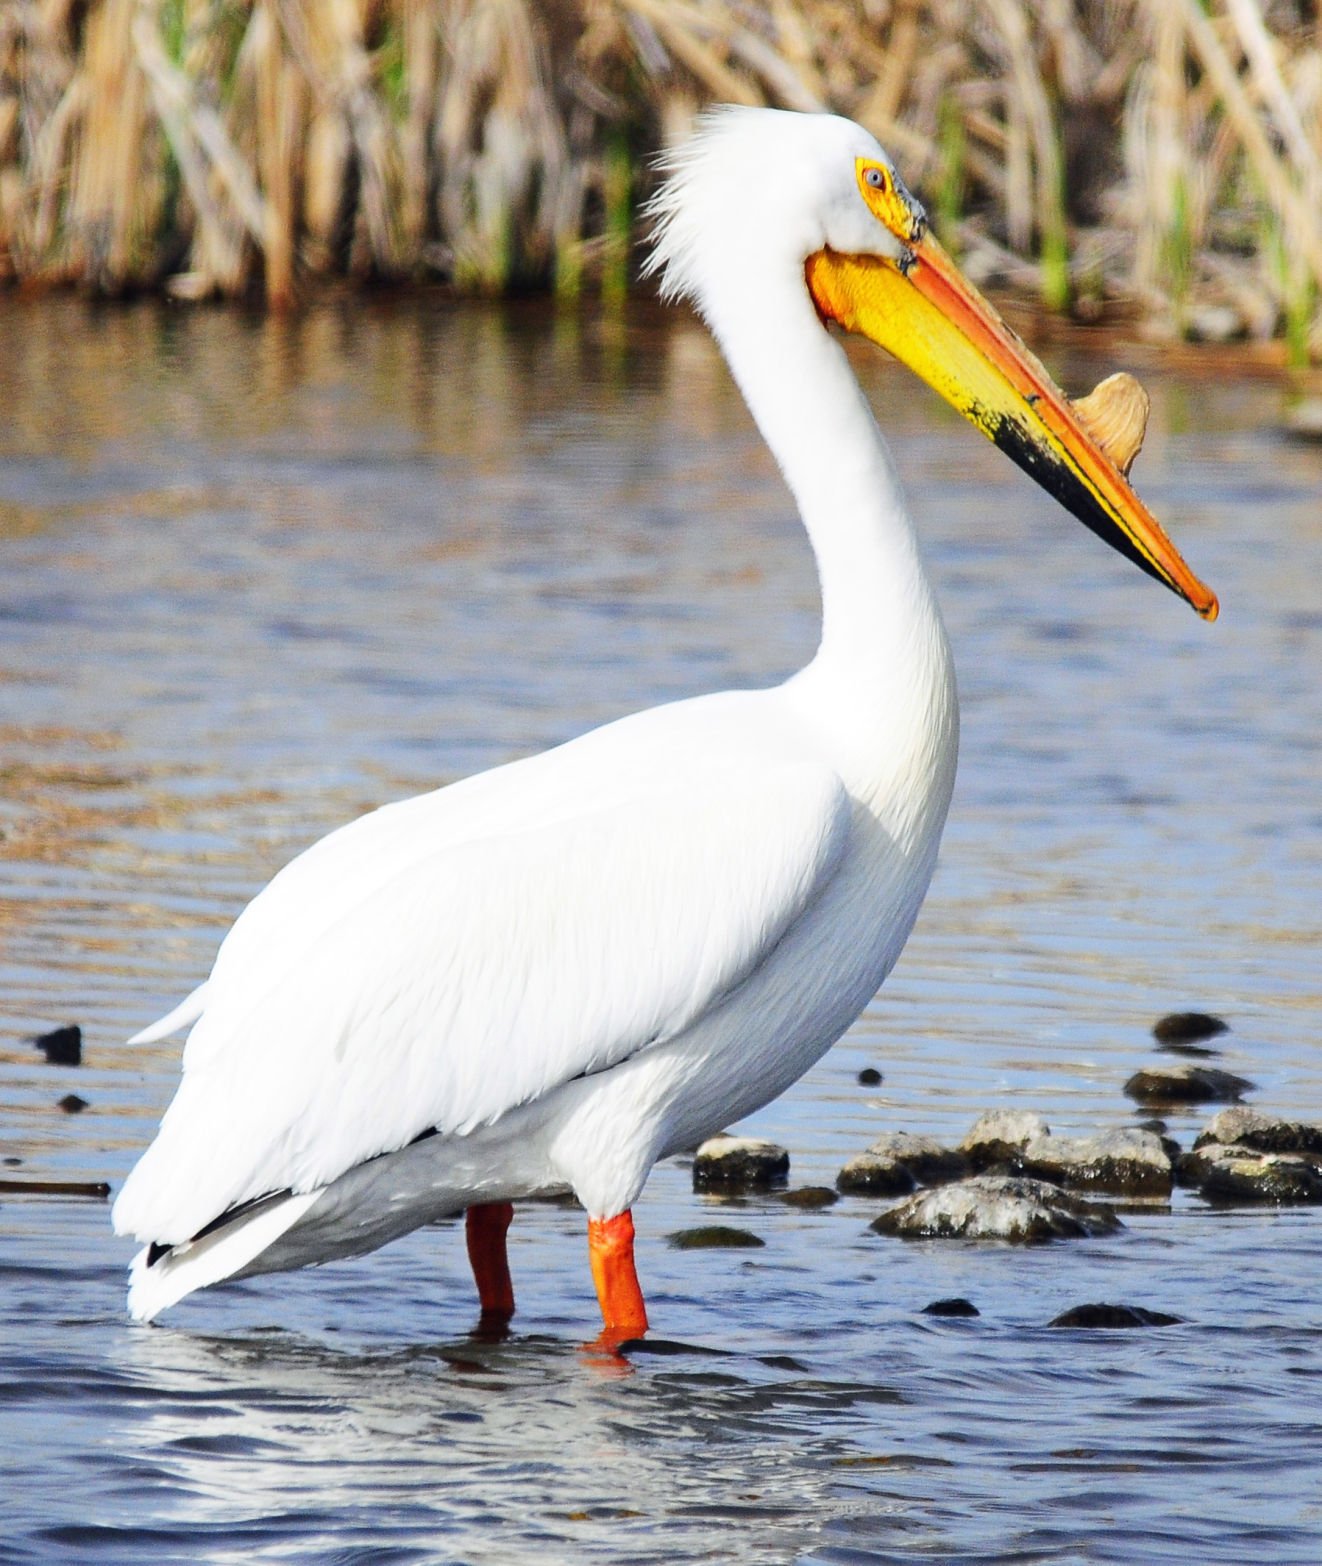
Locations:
(1167, 152)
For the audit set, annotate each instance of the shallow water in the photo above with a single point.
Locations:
(261, 575)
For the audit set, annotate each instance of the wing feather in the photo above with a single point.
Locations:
(478, 974)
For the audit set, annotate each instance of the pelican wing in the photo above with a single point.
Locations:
(477, 974)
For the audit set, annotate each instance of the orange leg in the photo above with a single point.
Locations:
(485, 1227)
(610, 1247)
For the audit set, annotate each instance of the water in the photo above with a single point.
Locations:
(261, 575)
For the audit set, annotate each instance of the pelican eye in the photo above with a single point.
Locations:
(876, 177)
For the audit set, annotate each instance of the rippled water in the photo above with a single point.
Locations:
(261, 575)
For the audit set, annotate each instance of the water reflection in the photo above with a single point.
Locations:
(533, 1444)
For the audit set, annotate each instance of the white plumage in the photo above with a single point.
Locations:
(554, 973)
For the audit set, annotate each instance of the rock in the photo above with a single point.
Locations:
(1118, 1163)
(1242, 1155)
(1238, 1174)
(61, 1046)
(1130, 1162)
(866, 1175)
(1185, 1085)
(997, 1207)
(951, 1308)
(714, 1237)
(1114, 1316)
(1244, 1127)
(869, 1077)
(998, 1137)
(810, 1198)
(899, 1162)
(1188, 1027)
(71, 1104)
(1192, 1168)
(739, 1163)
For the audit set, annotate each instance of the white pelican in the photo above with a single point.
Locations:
(553, 974)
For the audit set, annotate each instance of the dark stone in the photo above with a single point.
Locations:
(1193, 1167)
(1186, 1085)
(997, 1207)
(739, 1163)
(951, 1308)
(12, 1162)
(997, 1138)
(899, 1162)
(61, 1046)
(1188, 1027)
(868, 1176)
(1111, 1316)
(869, 1077)
(714, 1237)
(810, 1198)
(71, 1104)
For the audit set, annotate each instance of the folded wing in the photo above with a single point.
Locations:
(471, 976)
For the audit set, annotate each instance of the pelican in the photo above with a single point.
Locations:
(551, 975)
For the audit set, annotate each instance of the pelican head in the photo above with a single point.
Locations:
(761, 196)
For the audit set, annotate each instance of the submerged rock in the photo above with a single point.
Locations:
(739, 1163)
(810, 1198)
(1185, 1085)
(1111, 1316)
(1127, 1162)
(61, 1046)
(956, 1307)
(899, 1162)
(714, 1237)
(997, 1138)
(997, 1207)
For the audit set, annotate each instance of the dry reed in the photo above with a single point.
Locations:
(1164, 151)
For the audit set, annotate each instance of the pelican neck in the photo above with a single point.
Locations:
(882, 674)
